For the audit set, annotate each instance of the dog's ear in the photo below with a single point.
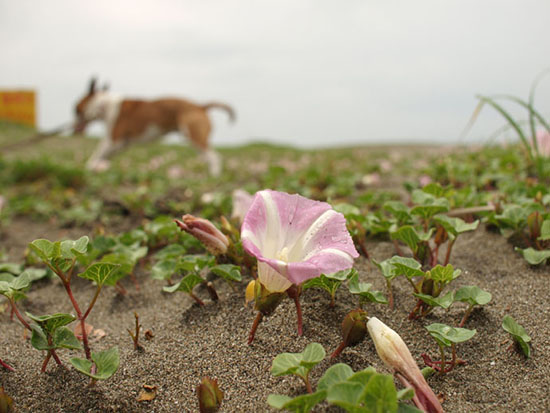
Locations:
(93, 82)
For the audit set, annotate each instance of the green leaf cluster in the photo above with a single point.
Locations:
(330, 282)
(364, 391)
(49, 332)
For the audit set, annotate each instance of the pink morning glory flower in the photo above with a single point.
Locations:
(295, 239)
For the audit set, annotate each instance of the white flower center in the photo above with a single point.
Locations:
(283, 254)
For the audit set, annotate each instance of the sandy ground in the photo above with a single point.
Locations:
(191, 341)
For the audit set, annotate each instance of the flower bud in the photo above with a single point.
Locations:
(213, 240)
(394, 353)
(354, 330)
(354, 327)
(210, 396)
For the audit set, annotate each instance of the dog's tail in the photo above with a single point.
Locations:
(223, 106)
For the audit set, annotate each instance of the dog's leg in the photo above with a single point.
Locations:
(198, 131)
(214, 162)
(99, 159)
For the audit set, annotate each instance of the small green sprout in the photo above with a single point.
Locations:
(472, 295)
(518, 333)
(330, 282)
(453, 227)
(446, 336)
(49, 332)
(430, 287)
(418, 242)
(186, 284)
(299, 364)
(193, 266)
(135, 334)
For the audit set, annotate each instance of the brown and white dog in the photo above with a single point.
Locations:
(131, 120)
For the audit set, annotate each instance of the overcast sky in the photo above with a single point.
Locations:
(311, 73)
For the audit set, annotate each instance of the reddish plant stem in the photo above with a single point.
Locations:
(338, 350)
(212, 291)
(435, 254)
(135, 281)
(120, 288)
(390, 294)
(308, 384)
(52, 352)
(466, 315)
(18, 315)
(294, 292)
(87, 351)
(98, 290)
(448, 254)
(362, 247)
(397, 248)
(255, 324)
(413, 314)
(56, 357)
(6, 366)
(197, 299)
(46, 360)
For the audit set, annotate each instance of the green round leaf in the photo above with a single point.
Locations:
(451, 334)
(228, 272)
(106, 363)
(472, 295)
(337, 373)
(99, 272)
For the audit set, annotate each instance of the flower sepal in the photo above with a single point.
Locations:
(265, 301)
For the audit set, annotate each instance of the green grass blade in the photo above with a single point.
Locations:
(472, 120)
(510, 120)
(533, 113)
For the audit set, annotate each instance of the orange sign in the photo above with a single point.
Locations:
(18, 106)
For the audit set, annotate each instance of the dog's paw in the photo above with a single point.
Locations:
(100, 166)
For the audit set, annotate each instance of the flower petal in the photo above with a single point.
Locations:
(271, 279)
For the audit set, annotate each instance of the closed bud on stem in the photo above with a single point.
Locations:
(394, 353)
(210, 396)
(354, 329)
(211, 237)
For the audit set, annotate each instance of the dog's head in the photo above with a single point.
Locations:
(87, 109)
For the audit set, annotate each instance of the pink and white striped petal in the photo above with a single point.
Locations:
(298, 237)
